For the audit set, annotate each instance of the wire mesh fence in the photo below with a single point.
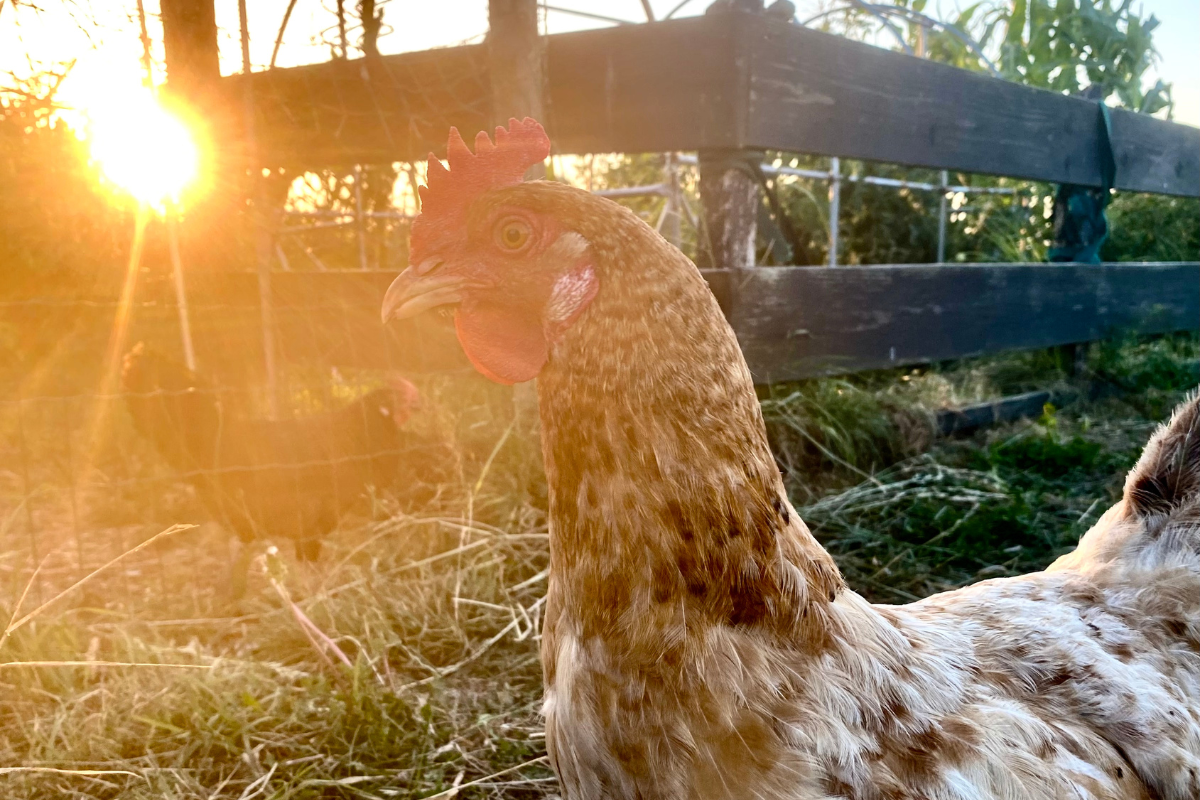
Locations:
(266, 400)
(107, 437)
(292, 419)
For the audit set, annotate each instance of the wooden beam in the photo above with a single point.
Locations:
(724, 81)
(190, 45)
(515, 55)
(792, 322)
(730, 196)
(646, 88)
(319, 318)
(799, 322)
(816, 93)
(968, 419)
(377, 110)
(649, 89)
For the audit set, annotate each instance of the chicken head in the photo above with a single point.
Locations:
(517, 277)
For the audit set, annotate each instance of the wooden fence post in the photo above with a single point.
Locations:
(730, 195)
(190, 43)
(515, 60)
(194, 72)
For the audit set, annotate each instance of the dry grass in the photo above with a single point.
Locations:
(404, 664)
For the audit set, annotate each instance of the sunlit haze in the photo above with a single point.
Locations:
(55, 36)
(141, 147)
(148, 153)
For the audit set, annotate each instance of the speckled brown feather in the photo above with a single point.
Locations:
(699, 643)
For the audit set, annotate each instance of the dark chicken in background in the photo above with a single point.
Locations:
(266, 479)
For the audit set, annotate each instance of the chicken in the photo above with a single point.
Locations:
(263, 479)
(698, 641)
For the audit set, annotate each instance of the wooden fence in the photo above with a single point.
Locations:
(725, 82)
(792, 322)
(733, 82)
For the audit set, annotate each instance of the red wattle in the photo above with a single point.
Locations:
(502, 343)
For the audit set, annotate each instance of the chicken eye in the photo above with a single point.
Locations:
(513, 234)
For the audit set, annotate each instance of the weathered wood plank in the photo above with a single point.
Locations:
(817, 93)
(676, 85)
(722, 81)
(637, 88)
(369, 110)
(793, 322)
(1155, 156)
(798, 322)
(321, 318)
(951, 421)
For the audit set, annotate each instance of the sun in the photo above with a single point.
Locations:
(142, 147)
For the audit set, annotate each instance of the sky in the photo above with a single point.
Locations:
(102, 36)
(1178, 43)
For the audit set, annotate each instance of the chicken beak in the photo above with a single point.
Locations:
(411, 293)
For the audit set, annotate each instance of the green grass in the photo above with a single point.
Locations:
(1004, 502)
(405, 662)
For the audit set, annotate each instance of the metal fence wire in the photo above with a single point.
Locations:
(105, 441)
(267, 403)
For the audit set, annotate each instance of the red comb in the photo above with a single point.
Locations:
(450, 192)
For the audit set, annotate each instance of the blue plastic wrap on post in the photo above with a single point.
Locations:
(1080, 225)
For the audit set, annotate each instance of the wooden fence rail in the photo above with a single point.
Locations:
(793, 322)
(724, 82)
(796, 322)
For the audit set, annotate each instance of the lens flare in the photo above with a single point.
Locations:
(143, 148)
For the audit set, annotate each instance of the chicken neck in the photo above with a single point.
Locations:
(666, 505)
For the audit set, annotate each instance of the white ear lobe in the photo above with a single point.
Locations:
(575, 288)
(571, 292)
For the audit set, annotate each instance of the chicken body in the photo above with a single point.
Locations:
(1046, 687)
(261, 478)
(699, 642)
